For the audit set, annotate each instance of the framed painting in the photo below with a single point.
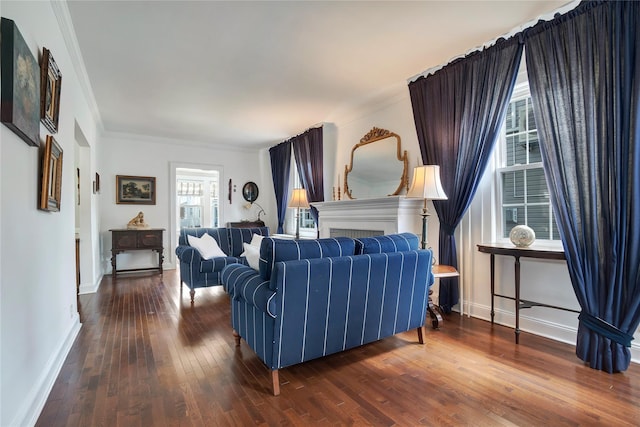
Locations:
(51, 176)
(50, 83)
(135, 190)
(19, 76)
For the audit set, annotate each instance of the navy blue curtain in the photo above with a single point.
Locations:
(459, 111)
(584, 74)
(307, 149)
(280, 170)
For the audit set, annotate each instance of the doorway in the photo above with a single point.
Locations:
(195, 197)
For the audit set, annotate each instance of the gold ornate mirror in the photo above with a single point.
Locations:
(378, 166)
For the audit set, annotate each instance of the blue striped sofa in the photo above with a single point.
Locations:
(312, 298)
(196, 272)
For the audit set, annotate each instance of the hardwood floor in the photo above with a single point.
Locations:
(146, 357)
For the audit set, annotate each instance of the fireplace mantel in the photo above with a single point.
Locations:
(388, 215)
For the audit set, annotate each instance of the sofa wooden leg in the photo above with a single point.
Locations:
(192, 292)
(420, 337)
(236, 336)
(275, 382)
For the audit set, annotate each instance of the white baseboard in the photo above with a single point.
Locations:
(536, 326)
(30, 410)
(91, 287)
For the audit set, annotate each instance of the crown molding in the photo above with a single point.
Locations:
(179, 141)
(61, 12)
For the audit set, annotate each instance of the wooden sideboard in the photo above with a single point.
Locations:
(245, 224)
(123, 240)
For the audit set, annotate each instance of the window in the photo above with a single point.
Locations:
(307, 226)
(523, 189)
(198, 198)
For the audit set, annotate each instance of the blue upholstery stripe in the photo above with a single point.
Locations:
(384, 289)
(366, 301)
(413, 289)
(395, 316)
(346, 313)
(326, 326)
(283, 292)
(306, 312)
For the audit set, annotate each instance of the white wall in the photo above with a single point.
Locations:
(39, 318)
(142, 156)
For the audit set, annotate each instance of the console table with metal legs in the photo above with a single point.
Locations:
(534, 251)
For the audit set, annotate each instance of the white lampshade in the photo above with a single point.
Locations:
(299, 199)
(426, 183)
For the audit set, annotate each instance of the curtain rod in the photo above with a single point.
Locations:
(315, 126)
(544, 17)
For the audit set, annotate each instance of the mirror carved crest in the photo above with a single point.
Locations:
(378, 166)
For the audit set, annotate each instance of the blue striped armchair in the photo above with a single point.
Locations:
(312, 298)
(196, 272)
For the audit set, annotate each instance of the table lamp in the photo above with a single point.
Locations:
(260, 212)
(426, 185)
(298, 200)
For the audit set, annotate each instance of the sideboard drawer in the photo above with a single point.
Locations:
(150, 239)
(124, 239)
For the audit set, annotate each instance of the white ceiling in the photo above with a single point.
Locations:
(252, 73)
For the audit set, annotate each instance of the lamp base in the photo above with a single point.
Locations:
(425, 221)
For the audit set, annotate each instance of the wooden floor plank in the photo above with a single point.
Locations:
(146, 357)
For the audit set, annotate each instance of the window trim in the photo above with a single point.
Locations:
(520, 92)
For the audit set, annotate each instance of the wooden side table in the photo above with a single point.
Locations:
(439, 271)
(130, 240)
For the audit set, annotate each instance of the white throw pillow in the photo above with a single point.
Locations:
(206, 245)
(256, 240)
(252, 254)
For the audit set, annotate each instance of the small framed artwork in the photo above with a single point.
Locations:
(96, 184)
(50, 83)
(20, 81)
(135, 190)
(51, 176)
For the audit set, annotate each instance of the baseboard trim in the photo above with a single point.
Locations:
(29, 412)
(90, 288)
(555, 331)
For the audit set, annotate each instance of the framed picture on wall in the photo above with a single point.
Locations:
(50, 83)
(20, 81)
(135, 190)
(51, 176)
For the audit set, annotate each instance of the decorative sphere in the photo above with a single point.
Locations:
(522, 236)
